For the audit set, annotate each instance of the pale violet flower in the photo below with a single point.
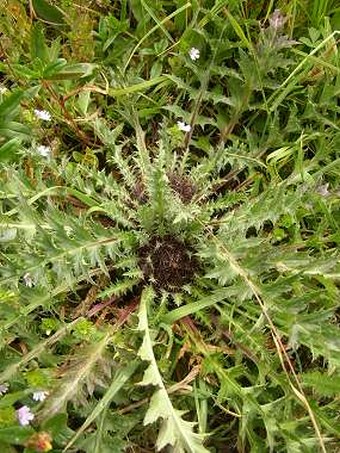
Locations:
(39, 396)
(3, 389)
(277, 20)
(28, 281)
(194, 54)
(24, 415)
(44, 151)
(182, 126)
(42, 115)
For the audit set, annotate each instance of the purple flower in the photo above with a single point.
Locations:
(24, 415)
(277, 20)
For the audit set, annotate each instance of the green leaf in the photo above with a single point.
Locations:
(322, 383)
(54, 68)
(118, 381)
(48, 13)
(25, 72)
(11, 398)
(174, 431)
(8, 151)
(38, 45)
(35, 352)
(5, 448)
(13, 129)
(83, 367)
(142, 86)
(16, 435)
(194, 307)
(238, 30)
(69, 71)
(57, 427)
(9, 106)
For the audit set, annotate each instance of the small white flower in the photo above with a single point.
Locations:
(39, 396)
(24, 415)
(194, 54)
(2, 89)
(3, 389)
(44, 151)
(68, 230)
(28, 281)
(182, 126)
(323, 190)
(42, 115)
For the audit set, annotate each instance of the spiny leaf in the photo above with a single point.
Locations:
(324, 384)
(118, 381)
(174, 431)
(72, 384)
(39, 349)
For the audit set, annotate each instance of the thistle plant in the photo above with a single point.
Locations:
(169, 262)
